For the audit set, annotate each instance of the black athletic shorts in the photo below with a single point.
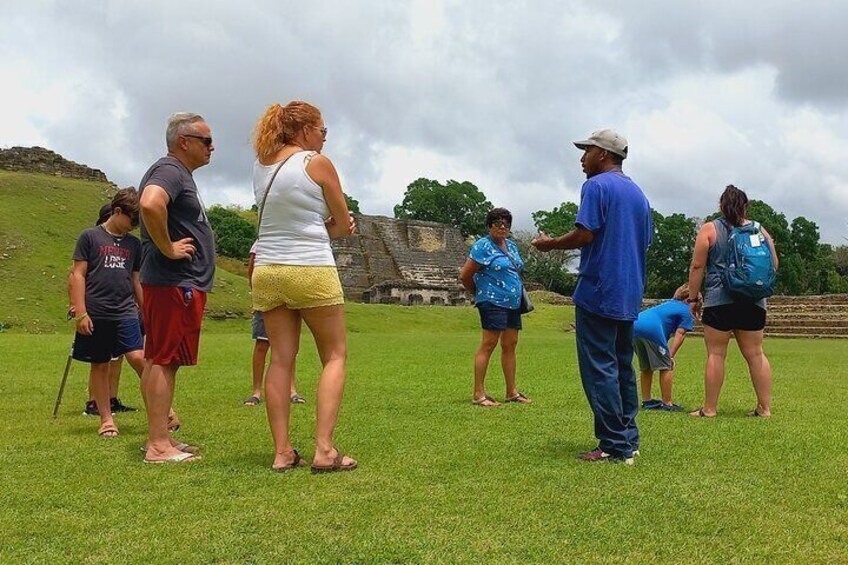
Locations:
(111, 339)
(745, 316)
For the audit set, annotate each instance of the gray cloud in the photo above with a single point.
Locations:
(481, 91)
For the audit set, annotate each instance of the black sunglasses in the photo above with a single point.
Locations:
(207, 141)
(501, 224)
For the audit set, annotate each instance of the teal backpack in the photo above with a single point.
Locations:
(749, 274)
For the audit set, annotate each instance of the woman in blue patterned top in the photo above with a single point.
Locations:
(492, 274)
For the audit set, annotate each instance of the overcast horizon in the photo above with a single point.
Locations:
(708, 94)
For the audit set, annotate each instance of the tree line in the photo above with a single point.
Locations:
(807, 266)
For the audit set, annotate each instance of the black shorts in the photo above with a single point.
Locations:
(745, 316)
(111, 339)
(498, 318)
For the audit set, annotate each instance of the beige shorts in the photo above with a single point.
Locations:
(295, 287)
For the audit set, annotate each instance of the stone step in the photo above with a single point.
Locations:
(805, 330)
(792, 335)
(772, 322)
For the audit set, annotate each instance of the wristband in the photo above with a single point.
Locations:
(692, 300)
(81, 316)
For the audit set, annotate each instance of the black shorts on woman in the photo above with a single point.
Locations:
(746, 316)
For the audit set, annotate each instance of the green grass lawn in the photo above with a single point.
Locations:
(439, 480)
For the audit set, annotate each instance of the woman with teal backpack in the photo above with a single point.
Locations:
(726, 310)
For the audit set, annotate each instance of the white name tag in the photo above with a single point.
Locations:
(755, 240)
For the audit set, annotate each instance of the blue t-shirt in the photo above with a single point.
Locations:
(498, 281)
(612, 268)
(659, 323)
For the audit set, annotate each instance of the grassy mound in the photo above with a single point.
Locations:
(42, 216)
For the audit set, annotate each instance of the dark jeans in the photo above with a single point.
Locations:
(605, 355)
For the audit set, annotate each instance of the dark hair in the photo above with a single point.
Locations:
(127, 200)
(733, 205)
(616, 159)
(496, 214)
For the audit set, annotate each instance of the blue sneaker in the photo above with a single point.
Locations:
(652, 404)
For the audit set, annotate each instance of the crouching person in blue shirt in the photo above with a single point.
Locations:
(492, 274)
(651, 333)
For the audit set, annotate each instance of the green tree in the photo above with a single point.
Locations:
(558, 221)
(548, 269)
(670, 254)
(352, 204)
(460, 204)
(234, 235)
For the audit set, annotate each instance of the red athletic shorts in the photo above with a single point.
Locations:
(172, 317)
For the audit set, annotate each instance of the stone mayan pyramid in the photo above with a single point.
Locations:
(405, 262)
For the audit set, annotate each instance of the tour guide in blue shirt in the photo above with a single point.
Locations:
(613, 231)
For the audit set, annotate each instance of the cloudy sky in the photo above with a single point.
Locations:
(708, 93)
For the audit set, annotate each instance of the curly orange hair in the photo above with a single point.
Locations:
(280, 124)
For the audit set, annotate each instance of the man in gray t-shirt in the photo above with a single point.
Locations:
(178, 266)
(186, 219)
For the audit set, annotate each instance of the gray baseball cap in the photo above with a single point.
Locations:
(606, 139)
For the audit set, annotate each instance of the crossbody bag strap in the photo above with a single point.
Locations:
(508, 256)
(268, 189)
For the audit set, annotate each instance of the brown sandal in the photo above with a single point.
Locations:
(699, 413)
(484, 399)
(295, 463)
(519, 398)
(335, 466)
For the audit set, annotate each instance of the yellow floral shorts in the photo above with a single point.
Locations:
(295, 287)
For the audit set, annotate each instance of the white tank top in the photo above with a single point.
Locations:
(292, 230)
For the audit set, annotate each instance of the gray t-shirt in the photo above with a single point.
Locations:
(186, 218)
(111, 262)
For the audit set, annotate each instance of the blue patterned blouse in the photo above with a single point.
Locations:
(498, 281)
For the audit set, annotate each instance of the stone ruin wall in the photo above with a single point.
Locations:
(41, 160)
(401, 261)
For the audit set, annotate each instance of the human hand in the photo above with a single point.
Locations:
(695, 309)
(182, 249)
(542, 242)
(84, 325)
(352, 229)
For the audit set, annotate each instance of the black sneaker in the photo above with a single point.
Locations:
(652, 404)
(118, 406)
(90, 409)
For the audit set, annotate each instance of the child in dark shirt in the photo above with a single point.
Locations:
(105, 294)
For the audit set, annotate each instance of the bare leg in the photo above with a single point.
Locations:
(751, 346)
(646, 379)
(136, 361)
(115, 376)
(327, 324)
(260, 354)
(99, 378)
(488, 343)
(716, 342)
(283, 327)
(666, 378)
(509, 343)
(157, 383)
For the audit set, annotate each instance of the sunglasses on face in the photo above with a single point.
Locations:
(502, 224)
(207, 141)
(322, 130)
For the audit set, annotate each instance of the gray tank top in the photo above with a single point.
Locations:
(714, 292)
